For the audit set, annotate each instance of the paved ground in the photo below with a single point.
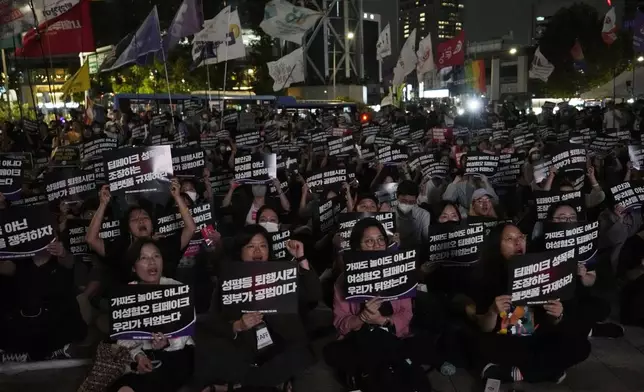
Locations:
(615, 366)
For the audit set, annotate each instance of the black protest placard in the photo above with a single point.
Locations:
(620, 134)
(193, 107)
(139, 169)
(546, 199)
(569, 157)
(525, 140)
(603, 144)
(71, 184)
(77, 230)
(231, 119)
(540, 170)
(438, 135)
(278, 242)
(329, 214)
(287, 160)
(331, 178)
(172, 223)
(256, 168)
(25, 231)
(381, 141)
(208, 142)
(31, 126)
(392, 154)
(628, 194)
(388, 275)
(158, 124)
(264, 287)
(500, 135)
(370, 130)
(139, 132)
(418, 135)
(481, 163)
(401, 132)
(98, 169)
(536, 278)
(420, 161)
(220, 181)
(509, 170)
(188, 161)
(458, 243)
(95, 148)
(435, 170)
(26, 158)
(319, 137)
(138, 311)
(65, 156)
(349, 219)
(387, 194)
(341, 146)
(247, 121)
(580, 236)
(11, 177)
(367, 153)
(636, 156)
(563, 135)
(249, 139)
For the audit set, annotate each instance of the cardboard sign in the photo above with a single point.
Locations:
(583, 238)
(341, 146)
(139, 170)
(25, 231)
(401, 132)
(569, 157)
(257, 168)
(138, 311)
(481, 163)
(536, 278)
(629, 194)
(509, 170)
(392, 155)
(11, 177)
(278, 242)
(349, 219)
(77, 229)
(455, 243)
(327, 179)
(65, 156)
(71, 184)
(546, 199)
(172, 223)
(603, 144)
(264, 287)
(389, 275)
(95, 148)
(249, 139)
(220, 181)
(188, 161)
(329, 214)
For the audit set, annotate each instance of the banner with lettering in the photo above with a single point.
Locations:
(139, 170)
(536, 278)
(25, 231)
(546, 199)
(328, 216)
(278, 241)
(509, 170)
(266, 287)
(392, 154)
(95, 148)
(580, 236)
(65, 156)
(70, 184)
(331, 178)
(188, 161)
(341, 146)
(455, 243)
(138, 311)
(569, 157)
(257, 168)
(481, 163)
(11, 177)
(389, 274)
(628, 194)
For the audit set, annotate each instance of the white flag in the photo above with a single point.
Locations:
(215, 29)
(425, 56)
(289, 69)
(541, 67)
(387, 101)
(212, 52)
(383, 46)
(407, 60)
(285, 21)
(609, 31)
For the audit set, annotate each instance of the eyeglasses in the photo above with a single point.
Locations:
(517, 240)
(482, 201)
(372, 242)
(564, 218)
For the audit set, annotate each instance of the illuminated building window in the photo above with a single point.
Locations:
(422, 19)
(406, 35)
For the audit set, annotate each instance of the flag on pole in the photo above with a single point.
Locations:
(451, 52)
(215, 29)
(146, 40)
(388, 100)
(187, 21)
(475, 75)
(231, 47)
(407, 60)
(286, 21)
(638, 32)
(17, 16)
(70, 32)
(541, 67)
(577, 54)
(287, 70)
(77, 83)
(425, 56)
(609, 31)
(383, 46)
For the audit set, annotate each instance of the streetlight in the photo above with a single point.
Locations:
(640, 59)
(513, 51)
(250, 71)
(350, 35)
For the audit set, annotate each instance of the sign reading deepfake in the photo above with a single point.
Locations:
(138, 311)
(546, 199)
(256, 168)
(279, 241)
(95, 148)
(387, 274)
(264, 287)
(25, 231)
(11, 177)
(189, 161)
(71, 183)
(139, 169)
(349, 219)
(581, 237)
(537, 278)
(628, 194)
(77, 229)
(458, 243)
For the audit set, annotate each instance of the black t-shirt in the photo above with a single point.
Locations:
(116, 257)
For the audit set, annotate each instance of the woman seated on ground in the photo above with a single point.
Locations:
(536, 349)
(375, 335)
(162, 364)
(227, 355)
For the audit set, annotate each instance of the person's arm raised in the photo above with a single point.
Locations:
(189, 223)
(93, 240)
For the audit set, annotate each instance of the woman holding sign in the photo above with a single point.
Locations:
(162, 364)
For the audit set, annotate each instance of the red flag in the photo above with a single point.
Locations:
(69, 33)
(452, 52)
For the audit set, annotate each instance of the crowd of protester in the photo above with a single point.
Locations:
(457, 319)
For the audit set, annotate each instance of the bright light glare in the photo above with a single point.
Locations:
(540, 18)
(556, 109)
(640, 59)
(537, 111)
(350, 35)
(460, 111)
(513, 51)
(473, 105)
(630, 100)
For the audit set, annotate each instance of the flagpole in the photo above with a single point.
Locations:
(208, 77)
(42, 50)
(167, 78)
(6, 81)
(223, 108)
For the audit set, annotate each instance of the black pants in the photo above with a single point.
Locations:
(539, 358)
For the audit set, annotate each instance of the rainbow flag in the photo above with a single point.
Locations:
(577, 54)
(475, 76)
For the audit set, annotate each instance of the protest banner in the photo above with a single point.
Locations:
(329, 214)
(65, 156)
(569, 157)
(257, 168)
(208, 142)
(367, 153)
(249, 139)
(172, 223)
(287, 160)
(370, 130)
(381, 141)
(247, 121)
(138, 311)
(392, 154)
(70, 184)
(11, 177)
(264, 287)
(278, 241)
(75, 241)
(603, 144)
(138, 170)
(388, 275)
(193, 108)
(523, 140)
(636, 156)
(341, 146)
(546, 199)
(349, 219)
(139, 133)
(481, 163)
(98, 169)
(628, 194)
(500, 135)
(95, 148)
(580, 236)
(509, 170)
(25, 231)
(457, 244)
(31, 127)
(188, 161)
(220, 181)
(401, 132)
(158, 123)
(420, 161)
(331, 178)
(418, 135)
(621, 134)
(536, 278)
(435, 170)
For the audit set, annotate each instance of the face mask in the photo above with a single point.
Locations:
(405, 208)
(192, 195)
(259, 190)
(271, 227)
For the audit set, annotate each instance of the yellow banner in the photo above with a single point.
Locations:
(77, 83)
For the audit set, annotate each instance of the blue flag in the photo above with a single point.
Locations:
(146, 40)
(638, 32)
(187, 21)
